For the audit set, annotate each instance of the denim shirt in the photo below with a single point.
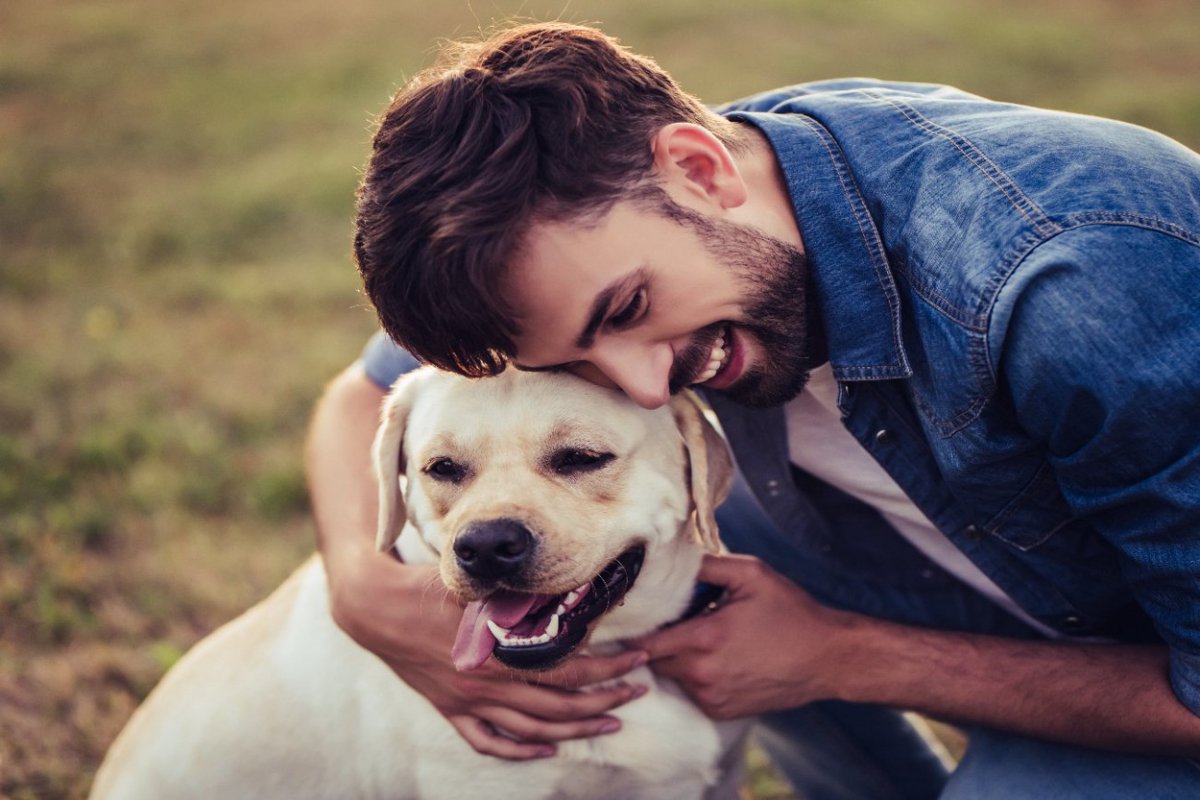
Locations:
(1011, 299)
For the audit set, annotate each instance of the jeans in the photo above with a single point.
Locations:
(842, 751)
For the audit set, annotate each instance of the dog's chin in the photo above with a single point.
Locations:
(552, 626)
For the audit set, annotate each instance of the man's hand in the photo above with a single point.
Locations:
(768, 646)
(404, 615)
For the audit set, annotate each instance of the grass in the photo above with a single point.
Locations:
(175, 283)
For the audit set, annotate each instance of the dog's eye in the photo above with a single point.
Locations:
(444, 469)
(570, 461)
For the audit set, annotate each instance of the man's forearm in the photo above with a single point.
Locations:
(338, 460)
(1114, 697)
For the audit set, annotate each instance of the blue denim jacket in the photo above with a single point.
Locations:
(1011, 299)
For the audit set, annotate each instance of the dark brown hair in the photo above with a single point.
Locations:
(544, 122)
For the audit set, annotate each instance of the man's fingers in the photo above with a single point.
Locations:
(562, 705)
(533, 730)
(586, 670)
(669, 642)
(729, 570)
(484, 737)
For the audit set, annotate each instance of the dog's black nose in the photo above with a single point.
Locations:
(494, 549)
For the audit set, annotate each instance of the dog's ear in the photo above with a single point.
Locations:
(387, 454)
(710, 467)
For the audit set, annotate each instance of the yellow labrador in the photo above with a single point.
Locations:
(560, 514)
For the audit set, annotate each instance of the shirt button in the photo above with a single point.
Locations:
(884, 436)
(1073, 621)
(973, 533)
(773, 487)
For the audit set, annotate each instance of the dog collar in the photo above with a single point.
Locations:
(706, 598)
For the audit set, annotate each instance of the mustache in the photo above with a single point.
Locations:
(692, 360)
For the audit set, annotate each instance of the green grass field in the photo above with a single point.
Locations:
(176, 188)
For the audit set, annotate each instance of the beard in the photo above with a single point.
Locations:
(774, 275)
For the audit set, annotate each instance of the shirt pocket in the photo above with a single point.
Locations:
(1034, 515)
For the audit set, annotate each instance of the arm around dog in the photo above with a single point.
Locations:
(401, 612)
(1107, 696)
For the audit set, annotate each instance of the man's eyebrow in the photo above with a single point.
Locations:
(601, 304)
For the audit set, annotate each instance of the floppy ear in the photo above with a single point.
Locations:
(710, 467)
(387, 453)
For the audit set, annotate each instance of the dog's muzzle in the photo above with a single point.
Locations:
(536, 631)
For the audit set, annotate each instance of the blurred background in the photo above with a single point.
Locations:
(176, 193)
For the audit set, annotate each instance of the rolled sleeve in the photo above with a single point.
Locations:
(1185, 679)
(384, 361)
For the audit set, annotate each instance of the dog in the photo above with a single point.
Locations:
(562, 516)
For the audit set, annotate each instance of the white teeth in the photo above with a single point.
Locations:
(505, 637)
(715, 359)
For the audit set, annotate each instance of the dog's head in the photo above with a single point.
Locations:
(543, 497)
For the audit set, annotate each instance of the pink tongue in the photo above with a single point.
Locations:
(475, 641)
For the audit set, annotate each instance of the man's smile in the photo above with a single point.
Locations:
(716, 358)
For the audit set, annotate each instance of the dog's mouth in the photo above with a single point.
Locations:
(536, 631)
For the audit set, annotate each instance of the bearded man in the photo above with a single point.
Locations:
(955, 347)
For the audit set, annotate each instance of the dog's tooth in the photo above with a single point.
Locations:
(571, 597)
(499, 632)
(560, 610)
(552, 628)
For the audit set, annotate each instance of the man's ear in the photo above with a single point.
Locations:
(387, 454)
(710, 467)
(690, 159)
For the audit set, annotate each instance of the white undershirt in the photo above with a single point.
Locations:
(820, 445)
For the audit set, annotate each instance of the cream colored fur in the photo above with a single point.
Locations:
(280, 703)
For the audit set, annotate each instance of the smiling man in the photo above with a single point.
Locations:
(954, 345)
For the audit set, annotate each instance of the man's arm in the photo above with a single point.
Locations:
(404, 615)
(771, 647)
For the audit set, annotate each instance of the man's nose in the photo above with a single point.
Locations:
(640, 372)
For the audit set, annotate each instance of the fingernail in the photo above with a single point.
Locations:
(545, 752)
(641, 659)
(638, 690)
(611, 726)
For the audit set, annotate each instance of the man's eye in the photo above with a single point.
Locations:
(630, 311)
(570, 461)
(445, 469)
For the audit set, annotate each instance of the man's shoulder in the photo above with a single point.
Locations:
(847, 90)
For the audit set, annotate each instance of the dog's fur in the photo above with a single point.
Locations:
(280, 703)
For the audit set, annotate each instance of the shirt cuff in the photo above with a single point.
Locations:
(1185, 679)
(384, 361)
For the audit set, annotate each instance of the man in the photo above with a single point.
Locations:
(956, 349)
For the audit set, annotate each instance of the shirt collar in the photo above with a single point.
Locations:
(856, 293)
